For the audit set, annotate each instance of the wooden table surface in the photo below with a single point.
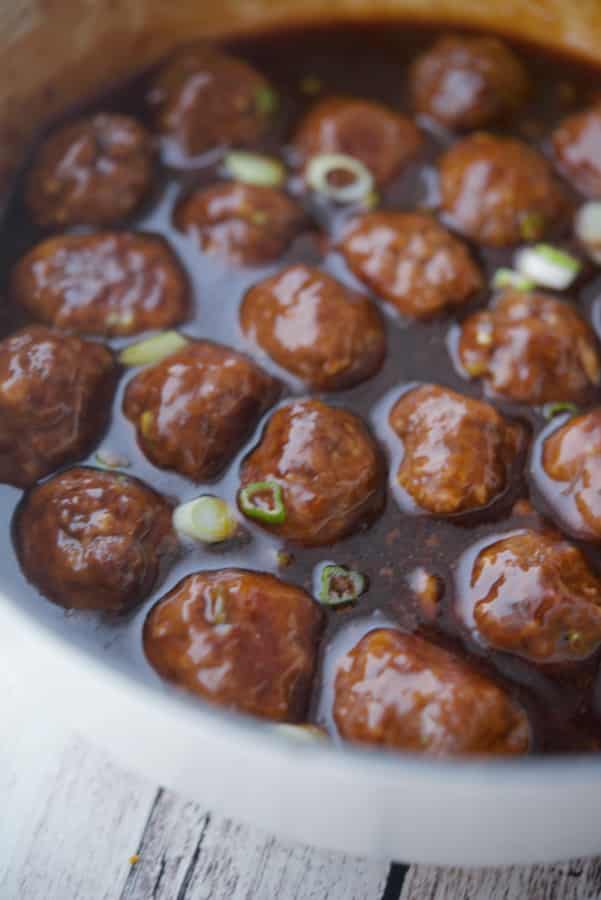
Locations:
(75, 826)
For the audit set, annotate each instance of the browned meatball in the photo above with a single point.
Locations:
(380, 138)
(458, 452)
(532, 593)
(55, 394)
(111, 283)
(400, 691)
(95, 171)
(243, 223)
(532, 348)
(90, 539)
(577, 148)
(203, 99)
(572, 460)
(315, 327)
(499, 191)
(244, 640)
(193, 410)
(411, 261)
(467, 82)
(326, 465)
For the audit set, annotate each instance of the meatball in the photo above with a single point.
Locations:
(94, 540)
(400, 691)
(577, 147)
(531, 348)
(95, 171)
(572, 460)
(194, 410)
(245, 224)
(310, 324)
(411, 261)
(202, 99)
(327, 467)
(533, 594)
(458, 452)
(111, 283)
(380, 138)
(499, 191)
(467, 82)
(55, 396)
(244, 640)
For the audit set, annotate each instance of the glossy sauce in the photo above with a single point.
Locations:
(368, 63)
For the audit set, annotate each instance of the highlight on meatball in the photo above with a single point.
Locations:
(94, 171)
(55, 396)
(467, 82)
(109, 283)
(242, 223)
(571, 460)
(94, 540)
(458, 453)
(315, 476)
(244, 640)
(533, 594)
(411, 261)
(202, 99)
(499, 191)
(315, 327)
(400, 691)
(194, 410)
(577, 148)
(531, 348)
(382, 139)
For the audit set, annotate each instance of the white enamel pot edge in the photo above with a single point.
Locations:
(360, 802)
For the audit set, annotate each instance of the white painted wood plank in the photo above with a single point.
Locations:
(576, 880)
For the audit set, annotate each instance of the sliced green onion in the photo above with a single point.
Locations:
(207, 519)
(532, 225)
(310, 85)
(266, 100)
(254, 168)
(509, 278)
(303, 732)
(263, 501)
(108, 459)
(320, 168)
(153, 349)
(339, 585)
(547, 266)
(550, 410)
(588, 229)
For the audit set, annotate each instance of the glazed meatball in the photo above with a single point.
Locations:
(193, 410)
(467, 82)
(55, 396)
(94, 540)
(203, 99)
(314, 327)
(110, 283)
(95, 171)
(531, 348)
(245, 224)
(411, 261)
(380, 138)
(577, 147)
(244, 640)
(572, 461)
(499, 191)
(327, 467)
(533, 594)
(458, 452)
(400, 691)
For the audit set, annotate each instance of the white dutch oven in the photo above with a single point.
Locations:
(456, 812)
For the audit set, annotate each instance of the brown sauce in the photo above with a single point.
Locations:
(371, 63)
